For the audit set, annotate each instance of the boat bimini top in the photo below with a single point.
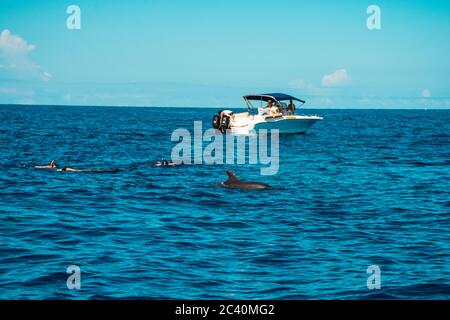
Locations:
(275, 97)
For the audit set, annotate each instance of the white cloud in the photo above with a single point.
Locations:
(46, 76)
(337, 78)
(15, 58)
(426, 93)
(14, 45)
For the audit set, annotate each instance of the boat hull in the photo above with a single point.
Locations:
(286, 124)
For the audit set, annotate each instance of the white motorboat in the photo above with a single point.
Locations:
(273, 113)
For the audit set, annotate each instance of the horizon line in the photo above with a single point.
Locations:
(212, 107)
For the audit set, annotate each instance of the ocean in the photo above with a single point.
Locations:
(361, 188)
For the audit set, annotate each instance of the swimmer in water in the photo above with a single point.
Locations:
(164, 163)
(52, 165)
(69, 169)
(88, 170)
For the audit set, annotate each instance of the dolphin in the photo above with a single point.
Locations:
(235, 183)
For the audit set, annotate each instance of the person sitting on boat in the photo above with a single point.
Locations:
(52, 165)
(267, 109)
(271, 110)
(291, 108)
(275, 111)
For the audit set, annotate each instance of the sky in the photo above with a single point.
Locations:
(210, 53)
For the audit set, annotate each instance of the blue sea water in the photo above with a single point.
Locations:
(361, 188)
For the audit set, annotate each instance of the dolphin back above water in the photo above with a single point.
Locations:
(235, 183)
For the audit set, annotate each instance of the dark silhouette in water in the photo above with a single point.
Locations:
(164, 163)
(54, 165)
(89, 170)
(235, 183)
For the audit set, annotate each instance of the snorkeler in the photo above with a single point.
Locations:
(164, 163)
(88, 170)
(52, 165)
(69, 169)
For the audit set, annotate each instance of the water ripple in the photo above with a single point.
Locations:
(357, 190)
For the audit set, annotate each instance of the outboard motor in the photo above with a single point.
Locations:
(221, 121)
(216, 121)
(225, 124)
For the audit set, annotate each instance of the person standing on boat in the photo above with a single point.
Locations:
(291, 108)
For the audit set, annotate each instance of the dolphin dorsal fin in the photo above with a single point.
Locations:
(231, 176)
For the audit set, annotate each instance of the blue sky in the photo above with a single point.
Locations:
(210, 53)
